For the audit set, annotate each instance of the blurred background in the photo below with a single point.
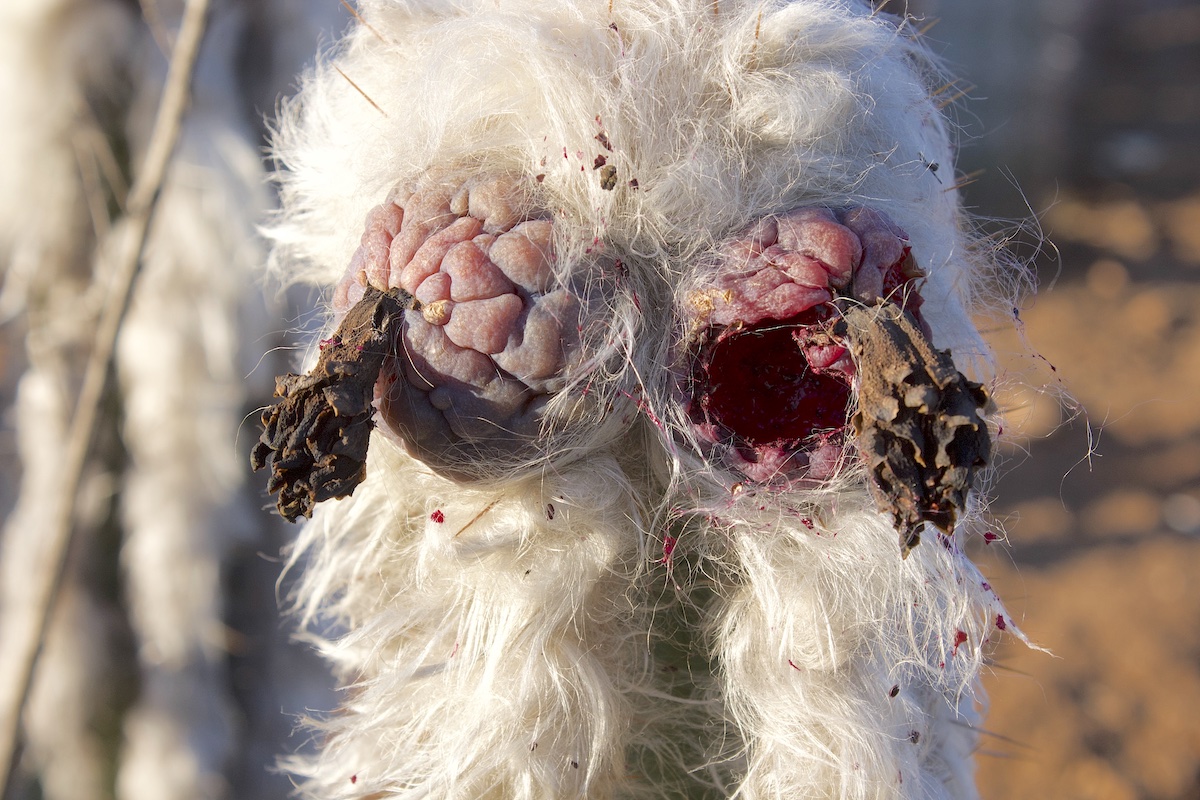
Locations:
(1079, 134)
(1084, 116)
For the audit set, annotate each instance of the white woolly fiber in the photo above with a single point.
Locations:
(493, 649)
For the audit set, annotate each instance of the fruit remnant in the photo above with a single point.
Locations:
(918, 424)
(315, 440)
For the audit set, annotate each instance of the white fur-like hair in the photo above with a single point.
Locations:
(521, 637)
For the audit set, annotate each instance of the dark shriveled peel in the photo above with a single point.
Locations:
(918, 423)
(315, 440)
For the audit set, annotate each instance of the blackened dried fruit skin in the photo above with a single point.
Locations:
(918, 423)
(315, 441)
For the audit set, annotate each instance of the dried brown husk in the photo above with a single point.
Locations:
(919, 422)
(315, 440)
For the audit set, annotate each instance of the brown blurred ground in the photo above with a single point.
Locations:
(1103, 562)
(1086, 113)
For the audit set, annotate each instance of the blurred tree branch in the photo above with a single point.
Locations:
(122, 249)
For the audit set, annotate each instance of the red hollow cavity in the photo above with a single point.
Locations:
(769, 385)
(757, 386)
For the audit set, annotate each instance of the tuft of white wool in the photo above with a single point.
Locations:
(825, 624)
(491, 648)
